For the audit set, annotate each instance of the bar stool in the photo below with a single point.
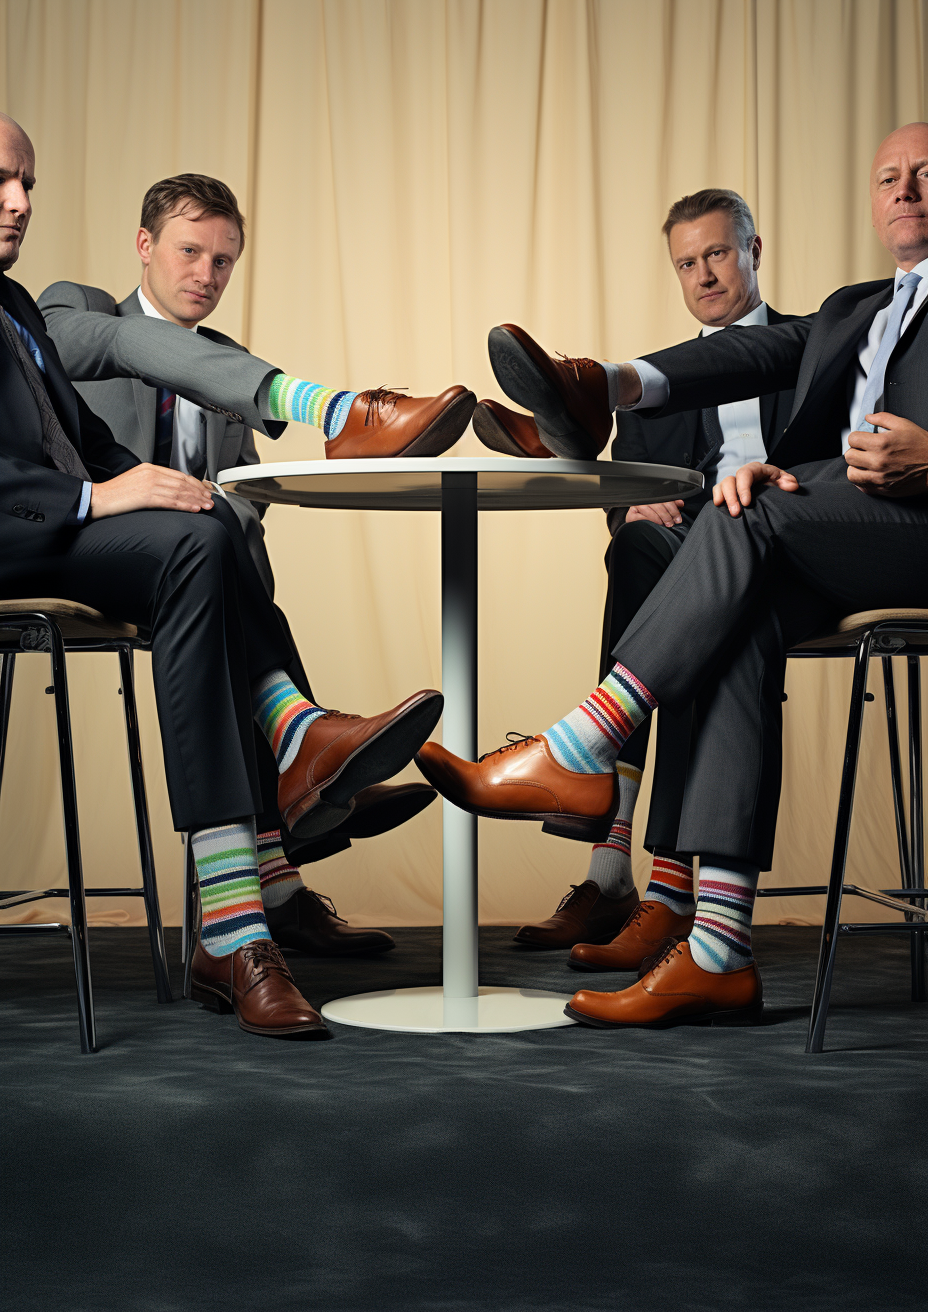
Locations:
(57, 626)
(886, 633)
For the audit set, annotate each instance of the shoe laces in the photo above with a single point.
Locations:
(513, 740)
(642, 909)
(327, 903)
(664, 952)
(265, 957)
(566, 898)
(338, 715)
(576, 363)
(378, 398)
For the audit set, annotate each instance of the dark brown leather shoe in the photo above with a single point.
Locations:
(569, 398)
(583, 915)
(255, 983)
(523, 781)
(309, 923)
(675, 992)
(384, 423)
(376, 811)
(502, 429)
(647, 929)
(342, 754)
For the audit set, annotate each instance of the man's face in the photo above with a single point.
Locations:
(186, 268)
(17, 178)
(717, 274)
(899, 194)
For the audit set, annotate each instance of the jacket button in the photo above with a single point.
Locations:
(39, 517)
(19, 510)
(686, 457)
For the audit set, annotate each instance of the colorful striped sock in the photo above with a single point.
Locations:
(720, 939)
(309, 403)
(672, 882)
(230, 891)
(279, 879)
(589, 739)
(611, 862)
(283, 715)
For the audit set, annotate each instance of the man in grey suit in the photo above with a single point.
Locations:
(191, 235)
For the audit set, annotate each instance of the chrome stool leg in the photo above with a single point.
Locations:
(895, 770)
(6, 701)
(143, 827)
(916, 821)
(826, 959)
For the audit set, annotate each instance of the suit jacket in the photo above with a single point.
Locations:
(36, 499)
(812, 355)
(680, 438)
(220, 382)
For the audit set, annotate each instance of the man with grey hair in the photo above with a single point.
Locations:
(716, 254)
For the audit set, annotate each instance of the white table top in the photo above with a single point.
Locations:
(503, 483)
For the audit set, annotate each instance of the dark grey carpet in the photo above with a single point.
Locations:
(189, 1165)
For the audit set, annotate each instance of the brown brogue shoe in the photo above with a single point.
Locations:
(584, 914)
(385, 423)
(647, 929)
(569, 398)
(502, 429)
(376, 811)
(675, 992)
(342, 754)
(523, 781)
(308, 922)
(254, 982)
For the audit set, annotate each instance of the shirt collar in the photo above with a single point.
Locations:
(757, 316)
(920, 269)
(149, 309)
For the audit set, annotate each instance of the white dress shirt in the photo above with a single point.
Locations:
(188, 451)
(742, 436)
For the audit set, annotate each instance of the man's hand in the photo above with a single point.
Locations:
(148, 487)
(666, 513)
(735, 490)
(889, 464)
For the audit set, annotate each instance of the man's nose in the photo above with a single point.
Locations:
(907, 188)
(705, 273)
(205, 272)
(14, 198)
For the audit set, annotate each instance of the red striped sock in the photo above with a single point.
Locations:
(672, 882)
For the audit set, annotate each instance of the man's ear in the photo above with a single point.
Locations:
(756, 247)
(143, 244)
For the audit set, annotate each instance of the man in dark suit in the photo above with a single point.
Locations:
(838, 524)
(716, 253)
(81, 517)
(189, 241)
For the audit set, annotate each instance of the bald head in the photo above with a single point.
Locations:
(17, 178)
(899, 194)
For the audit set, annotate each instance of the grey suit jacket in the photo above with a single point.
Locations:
(117, 357)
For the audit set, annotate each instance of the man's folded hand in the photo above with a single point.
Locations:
(736, 490)
(892, 462)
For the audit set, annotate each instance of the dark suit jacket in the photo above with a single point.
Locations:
(680, 439)
(36, 499)
(812, 355)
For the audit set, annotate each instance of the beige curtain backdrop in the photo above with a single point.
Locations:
(413, 172)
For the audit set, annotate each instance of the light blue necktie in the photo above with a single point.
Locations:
(876, 378)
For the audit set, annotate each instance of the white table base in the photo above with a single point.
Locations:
(430, 1011)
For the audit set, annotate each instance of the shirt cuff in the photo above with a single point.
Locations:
(655, 388)
(78, 516)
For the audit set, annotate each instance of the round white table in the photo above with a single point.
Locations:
(459, 487)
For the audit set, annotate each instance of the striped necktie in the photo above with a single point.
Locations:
(164, 427)
(876, 378)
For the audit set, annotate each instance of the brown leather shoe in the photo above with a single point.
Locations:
(569, 398)
(341, 754)
(385, 423)
(641, 937)
(376, 811)
(523, 781)
(309, 923)
(583, 914)
(502, 429)
(675, 992)
(255, 983)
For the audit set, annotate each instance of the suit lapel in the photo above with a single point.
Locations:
(57, 384)
(838, 343)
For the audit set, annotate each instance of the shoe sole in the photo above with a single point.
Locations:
(525, 383)
(746, 1016)
(218, 1002)
(391, 813)
(397, 744)
(494, 435)
(444, 431)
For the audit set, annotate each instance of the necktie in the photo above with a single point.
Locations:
(55, 442)
(712, 428)
(164, 427)
(876, 378)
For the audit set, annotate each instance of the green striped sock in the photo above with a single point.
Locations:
(309, 403)
(230, 890)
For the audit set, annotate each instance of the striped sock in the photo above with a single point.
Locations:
(283, 715)
(230, 892)
(672, 882)
(309, 403)
(279, 879)
(720, 939)
(611, 863)
(589, 739)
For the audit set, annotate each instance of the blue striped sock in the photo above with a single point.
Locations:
(309, 403)
(589, 739)
(283, 715)
(720, 939)
(226, 858)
